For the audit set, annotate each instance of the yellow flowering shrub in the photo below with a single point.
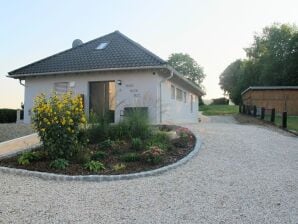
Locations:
(58, 121)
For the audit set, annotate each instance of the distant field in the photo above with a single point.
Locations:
(210, 110)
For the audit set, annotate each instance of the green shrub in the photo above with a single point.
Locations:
(184, 139)
(82, 156)
(99, 155)
(8, 115)
(59, 164)
(159, 139)
(119, 166)
(99, 128)
(152, 155)
(58, 120)
(106, 144)
(136, 143)
(94, 166)
(27, 157)
(130, 157)
(137, 124)
(119, 131)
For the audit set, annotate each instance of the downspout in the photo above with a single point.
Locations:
(22, 84)
(160, 93)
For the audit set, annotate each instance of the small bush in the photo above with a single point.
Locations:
(27, 157)
(152, 155)
(137, 124)
(99, 128)
(82, 156)
(184, 139)
(94, 166)
(130, 157)
(119, 131)
(99, 155)
(58, 120)
(107, 144)
(136, 143)
(119, 166)
(59, 164)
(159, 139)
(8, 115)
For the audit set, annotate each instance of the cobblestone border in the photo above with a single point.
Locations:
(100, 178)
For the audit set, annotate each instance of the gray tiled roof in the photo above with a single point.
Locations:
(121, 52)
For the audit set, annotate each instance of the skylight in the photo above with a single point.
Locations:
(102, 45)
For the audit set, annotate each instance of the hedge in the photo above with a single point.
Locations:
(8, 115)
(220, 101)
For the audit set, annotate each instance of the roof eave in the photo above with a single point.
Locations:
(180, 76)
(20, 76)
(258, 88)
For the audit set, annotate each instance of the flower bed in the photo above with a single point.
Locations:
(70, 146)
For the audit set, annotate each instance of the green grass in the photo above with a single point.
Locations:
(292, 122)
(210, 110)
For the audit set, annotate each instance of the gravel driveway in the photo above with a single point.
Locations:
(13, 130)
(242, 174)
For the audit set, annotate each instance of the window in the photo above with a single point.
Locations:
(102, 45)
(184, 97)
(191, 103)
(172, 92)
(179, 95)
(61, 87)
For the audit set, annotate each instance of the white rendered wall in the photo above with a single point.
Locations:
(136, 89)
(174, 111)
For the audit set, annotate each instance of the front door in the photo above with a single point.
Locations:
(102, 99)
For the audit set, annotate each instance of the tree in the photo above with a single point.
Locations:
(188, 67)
(271, 60)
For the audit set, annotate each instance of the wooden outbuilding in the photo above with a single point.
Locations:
(282, 98)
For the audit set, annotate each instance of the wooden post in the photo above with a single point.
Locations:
(240, 108)
(284, 119)
(249, 110)
(18, 116)
(255, 111)
(243, 111)
(262, 113)
(272, 115)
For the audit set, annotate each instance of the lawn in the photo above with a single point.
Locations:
(292, 122)
(210, 110)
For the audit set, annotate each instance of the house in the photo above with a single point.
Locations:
(282, 98)
(113, 74)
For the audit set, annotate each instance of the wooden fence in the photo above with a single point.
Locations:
(261, 112)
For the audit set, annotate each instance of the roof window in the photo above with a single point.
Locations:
(102, 46)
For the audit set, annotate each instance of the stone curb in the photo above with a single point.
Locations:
(100, 178)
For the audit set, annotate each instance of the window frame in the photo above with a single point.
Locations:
(191, 103)
(56, 85)
(173, 92)
(179, 94)
(184, 96)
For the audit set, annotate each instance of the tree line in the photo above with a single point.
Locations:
(271, 60)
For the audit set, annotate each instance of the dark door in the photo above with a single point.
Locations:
(102, 99)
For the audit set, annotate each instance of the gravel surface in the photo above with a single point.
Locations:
(242, 174)
(12, 130)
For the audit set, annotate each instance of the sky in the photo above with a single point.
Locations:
(213, 32)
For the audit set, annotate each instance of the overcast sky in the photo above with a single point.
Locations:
(213, 32)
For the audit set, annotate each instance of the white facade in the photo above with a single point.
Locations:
(141, 88)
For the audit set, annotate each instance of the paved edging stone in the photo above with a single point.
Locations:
(100, 178)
